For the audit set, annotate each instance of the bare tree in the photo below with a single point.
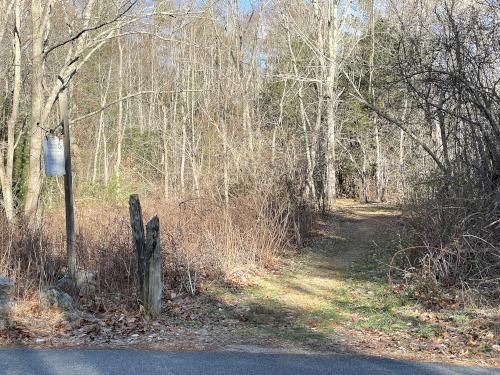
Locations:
(7, 160)
(81, 46)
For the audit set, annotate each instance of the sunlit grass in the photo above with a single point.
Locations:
(317, 298)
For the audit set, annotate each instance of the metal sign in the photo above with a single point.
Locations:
(53, 154)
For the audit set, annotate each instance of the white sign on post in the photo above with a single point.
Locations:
(53, 154)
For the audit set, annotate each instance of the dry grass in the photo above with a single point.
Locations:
(29, 319)
(202, 241)
(32, 258)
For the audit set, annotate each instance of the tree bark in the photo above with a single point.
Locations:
(380, 172)
(166, 170)
(184, 143)
(137, 226)
(7, 169)
(153, 277)
(401, 179)
(39, 20)
(363, 191)
(119, 129)
(101, 129)
(331, 103)
(68, 184)
(304, 118)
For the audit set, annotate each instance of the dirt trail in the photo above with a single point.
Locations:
(314, 299)
(359, 227)
(335, 298)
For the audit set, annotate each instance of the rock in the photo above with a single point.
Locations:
(54, 297)
(4, 309)
(6, 288)
(66, 285)
(242, 311)
(39, 340)
(86, 282)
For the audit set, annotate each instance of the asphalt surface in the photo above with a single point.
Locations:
(24, 361)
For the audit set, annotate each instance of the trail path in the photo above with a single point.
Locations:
(320, 292)
(359, 227)
(336, 298)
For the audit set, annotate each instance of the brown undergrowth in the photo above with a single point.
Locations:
(450, 251)
(332, 297)
(203, 241)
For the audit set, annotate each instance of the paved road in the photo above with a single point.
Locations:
(127, 362)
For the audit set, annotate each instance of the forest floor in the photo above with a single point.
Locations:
(330, 297)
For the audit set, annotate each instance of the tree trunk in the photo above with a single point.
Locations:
(119, 130)
(401, 164)
(105, 157)
(315, 144)
(166, 170)
(140, 109)
(97, 145)
(152, 96)
(184, 144)
(225, 159)
(102, 128)
(363, 193)
(68, 184)
(331, 103)
(304, 119)
(401, 180)
(379, 165)
(379, 162)
(7, 169)
(37, 98)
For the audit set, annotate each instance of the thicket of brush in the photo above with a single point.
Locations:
(203, 240)
(448, 66)
(452, 254)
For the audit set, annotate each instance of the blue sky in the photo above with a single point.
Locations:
(246, 5)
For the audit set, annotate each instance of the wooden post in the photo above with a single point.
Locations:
(148, 257)
(68, 183)
(153, 267)
(137, 226)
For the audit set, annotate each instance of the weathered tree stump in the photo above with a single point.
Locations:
(148, 257)
(137, 226)
(153, 267)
